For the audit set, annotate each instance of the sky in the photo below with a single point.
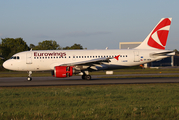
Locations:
(95, 24)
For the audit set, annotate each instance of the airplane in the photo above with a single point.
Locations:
(65, 63)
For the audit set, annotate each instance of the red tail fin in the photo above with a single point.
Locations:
(158, 37)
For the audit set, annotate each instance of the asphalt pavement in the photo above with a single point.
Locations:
(76, 80)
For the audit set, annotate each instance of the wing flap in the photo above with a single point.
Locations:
(89, 62)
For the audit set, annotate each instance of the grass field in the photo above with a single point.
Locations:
(136, 101)
(124, 102)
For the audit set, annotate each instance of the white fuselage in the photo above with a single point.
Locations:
(44, 60)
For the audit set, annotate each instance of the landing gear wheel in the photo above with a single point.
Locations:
(29, 78)
(88, 77)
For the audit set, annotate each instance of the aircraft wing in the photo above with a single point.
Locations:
(89, 62)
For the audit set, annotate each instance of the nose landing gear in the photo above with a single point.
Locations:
(29, 76)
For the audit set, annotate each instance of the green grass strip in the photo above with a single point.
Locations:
(124, 102)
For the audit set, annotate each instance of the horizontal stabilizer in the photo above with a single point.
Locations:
(168, 53)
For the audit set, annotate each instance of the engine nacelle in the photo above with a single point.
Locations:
(63, 71)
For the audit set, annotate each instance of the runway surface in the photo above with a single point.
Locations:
(76, 80)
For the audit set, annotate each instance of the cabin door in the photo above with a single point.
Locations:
(136, 56)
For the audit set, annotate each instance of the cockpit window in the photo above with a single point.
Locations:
(15, 57)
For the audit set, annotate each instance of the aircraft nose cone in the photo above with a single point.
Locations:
(6, 65)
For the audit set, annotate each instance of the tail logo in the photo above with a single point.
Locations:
(158, 37)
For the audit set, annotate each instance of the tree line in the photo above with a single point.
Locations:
(10, 46)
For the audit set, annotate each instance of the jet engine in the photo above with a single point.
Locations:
(63, 71)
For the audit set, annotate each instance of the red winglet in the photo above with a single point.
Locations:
(117, 57)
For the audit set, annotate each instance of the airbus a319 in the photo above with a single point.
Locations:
(65, 63)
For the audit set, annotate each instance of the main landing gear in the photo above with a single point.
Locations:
(29, 76)
(86, 76)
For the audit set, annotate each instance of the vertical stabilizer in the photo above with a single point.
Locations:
(157, 38)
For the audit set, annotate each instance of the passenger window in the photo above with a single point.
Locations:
(18, 57)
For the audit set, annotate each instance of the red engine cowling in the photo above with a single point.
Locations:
(63, 71)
